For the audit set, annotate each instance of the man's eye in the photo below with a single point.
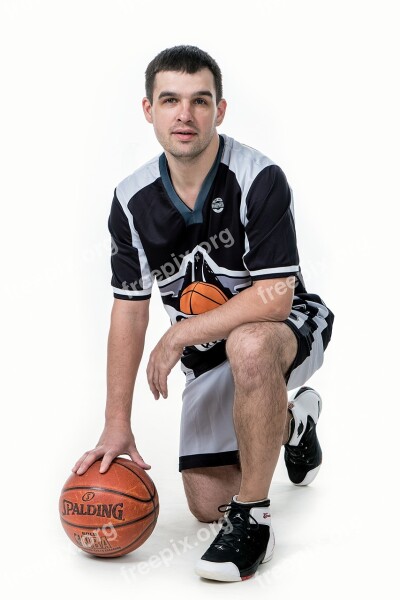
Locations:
(170, 100)
(200, 101)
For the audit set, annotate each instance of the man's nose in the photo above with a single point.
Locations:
(185, 112)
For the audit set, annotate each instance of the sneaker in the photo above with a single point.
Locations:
(303, 455)
(244, 541)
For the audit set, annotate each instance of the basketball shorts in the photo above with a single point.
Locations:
(207, 434)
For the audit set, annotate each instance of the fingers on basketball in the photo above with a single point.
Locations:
(89, 459)
(135, 456)
(79, 462)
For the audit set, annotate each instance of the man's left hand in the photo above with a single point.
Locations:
(162, 359)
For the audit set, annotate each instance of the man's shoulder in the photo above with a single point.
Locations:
(239, 152)
(139, 179)
(245, 161)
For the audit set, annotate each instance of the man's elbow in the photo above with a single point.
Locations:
(275, 306)
(277, 313)
(284, 314)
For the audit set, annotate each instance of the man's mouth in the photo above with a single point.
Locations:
(184, 135)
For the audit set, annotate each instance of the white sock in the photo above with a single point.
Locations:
(252, 502)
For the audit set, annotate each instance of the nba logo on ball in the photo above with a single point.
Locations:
(217, 205)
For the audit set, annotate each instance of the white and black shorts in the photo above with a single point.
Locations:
(207, 434)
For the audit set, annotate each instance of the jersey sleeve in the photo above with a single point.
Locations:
(270, 240)
(131, 275)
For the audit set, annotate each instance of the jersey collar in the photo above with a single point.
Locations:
(196, 215)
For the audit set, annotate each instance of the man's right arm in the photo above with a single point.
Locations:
(129, 320)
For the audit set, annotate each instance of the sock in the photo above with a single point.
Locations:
(252, 501)
(261, 514)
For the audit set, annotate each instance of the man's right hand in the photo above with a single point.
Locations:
(116, 439)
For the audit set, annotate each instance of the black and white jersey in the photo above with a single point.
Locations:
(241, 229)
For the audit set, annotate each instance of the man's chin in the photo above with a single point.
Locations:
(184, 152)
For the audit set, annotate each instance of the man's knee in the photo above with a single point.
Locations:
(247, 341)
(204, 514)
(253, 348)
(203, 508)
(207, 488)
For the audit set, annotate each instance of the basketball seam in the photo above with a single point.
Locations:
(208, 298)
(193, 290)
(212, 286)
(137, 475)
(144, 483)
(122, 548)
(102, 489)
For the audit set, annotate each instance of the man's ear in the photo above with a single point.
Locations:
(221, 109)
(147, 110)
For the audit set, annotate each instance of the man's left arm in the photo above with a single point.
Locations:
(265, 300)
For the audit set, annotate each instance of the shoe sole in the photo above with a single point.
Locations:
(210, 570)
(311, 475)
(270, 547)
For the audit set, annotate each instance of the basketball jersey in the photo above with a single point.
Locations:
(240, 230)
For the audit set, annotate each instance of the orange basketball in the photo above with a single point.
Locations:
(199, 297)
(109, 514)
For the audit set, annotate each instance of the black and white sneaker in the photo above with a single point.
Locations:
(303, 455)
(244, 541)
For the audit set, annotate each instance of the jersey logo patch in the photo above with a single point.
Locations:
(217, 205)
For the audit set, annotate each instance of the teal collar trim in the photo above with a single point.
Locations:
(195, 215)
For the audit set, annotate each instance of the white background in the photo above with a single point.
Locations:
(311, 84)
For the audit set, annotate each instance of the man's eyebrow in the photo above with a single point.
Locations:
(175, 95)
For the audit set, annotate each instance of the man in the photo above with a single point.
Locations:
(212, 221)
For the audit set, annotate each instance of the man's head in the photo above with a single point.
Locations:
(184, 59)
(184, 101)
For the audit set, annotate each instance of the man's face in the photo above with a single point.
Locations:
(184, 113)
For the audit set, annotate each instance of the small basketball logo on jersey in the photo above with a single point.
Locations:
(217, 205)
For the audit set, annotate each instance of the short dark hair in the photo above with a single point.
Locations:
(185, 59)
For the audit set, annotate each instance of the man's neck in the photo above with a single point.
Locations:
(188, 176)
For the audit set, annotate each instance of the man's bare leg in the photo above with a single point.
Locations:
(260, 354)
(206, 488)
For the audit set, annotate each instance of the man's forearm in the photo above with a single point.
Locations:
(124, 353)
(262, 302)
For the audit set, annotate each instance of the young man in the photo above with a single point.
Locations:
(212, 221)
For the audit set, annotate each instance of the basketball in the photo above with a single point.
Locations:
(199, 297)
(109, 514)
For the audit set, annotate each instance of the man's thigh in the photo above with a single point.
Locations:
(206, 488)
